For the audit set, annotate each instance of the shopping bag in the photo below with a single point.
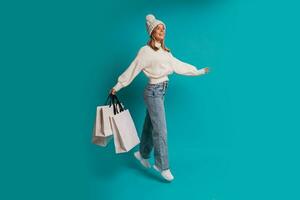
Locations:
(123, 128)
(98, 130)
(105, 112)
(99, 137)
(100, 140)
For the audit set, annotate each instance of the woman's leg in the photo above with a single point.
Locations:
(155, 105)
(146, 144)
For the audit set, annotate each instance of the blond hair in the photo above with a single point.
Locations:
(151, 43)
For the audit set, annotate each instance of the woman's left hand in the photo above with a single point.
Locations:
(206, 69)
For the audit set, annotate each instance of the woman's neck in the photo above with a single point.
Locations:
(157, 44)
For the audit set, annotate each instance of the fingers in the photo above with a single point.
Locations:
(113, 91)
(207, 69)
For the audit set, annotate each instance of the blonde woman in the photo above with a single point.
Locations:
(157, 62)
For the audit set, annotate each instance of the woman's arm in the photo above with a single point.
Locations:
(131, 72)
(185, 68)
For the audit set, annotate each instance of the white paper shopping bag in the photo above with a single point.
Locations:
(99, 139)
(124, 131)
(102, 132)
(105, 112)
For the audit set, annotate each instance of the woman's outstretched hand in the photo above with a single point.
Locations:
(206, 69)
(112, 91)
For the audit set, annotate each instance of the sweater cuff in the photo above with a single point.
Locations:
(118, 86)
(201, 71)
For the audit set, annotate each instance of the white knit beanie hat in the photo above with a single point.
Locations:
(152, 22)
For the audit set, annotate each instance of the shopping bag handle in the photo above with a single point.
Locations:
(112, 102)
(116, 104)
(119, 103)
(109, 100)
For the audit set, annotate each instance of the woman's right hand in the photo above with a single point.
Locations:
(113, 91)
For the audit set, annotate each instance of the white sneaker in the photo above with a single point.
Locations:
(166, 174)
(144, 162)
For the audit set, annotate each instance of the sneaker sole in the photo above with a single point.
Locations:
(154, 167)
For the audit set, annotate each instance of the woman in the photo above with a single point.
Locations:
(157, 62)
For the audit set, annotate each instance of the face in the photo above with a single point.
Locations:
(159, 32)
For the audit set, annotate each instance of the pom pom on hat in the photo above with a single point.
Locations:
(152, 22)
(150, 17)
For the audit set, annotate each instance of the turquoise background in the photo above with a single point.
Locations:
(233, 133)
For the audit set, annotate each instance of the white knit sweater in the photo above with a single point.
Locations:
(156, 65)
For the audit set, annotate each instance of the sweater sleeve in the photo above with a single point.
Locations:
(183, 68)
(132, 71)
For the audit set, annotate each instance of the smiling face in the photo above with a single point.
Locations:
(159, 32)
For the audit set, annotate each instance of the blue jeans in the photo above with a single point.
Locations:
(154, 132)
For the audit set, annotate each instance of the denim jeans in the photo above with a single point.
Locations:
(154, 134)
